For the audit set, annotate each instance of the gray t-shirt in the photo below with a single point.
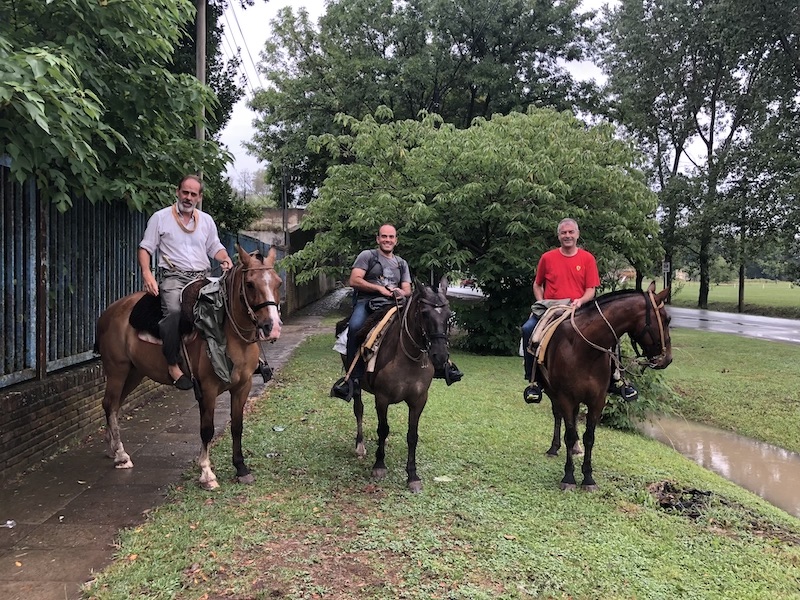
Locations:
(384, 271)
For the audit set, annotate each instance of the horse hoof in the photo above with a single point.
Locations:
(551, 454)
(128, 464)
(361, 451)
(415, 487)
(246, 479)
(209, 485)
(568, 487)
(379, 473)
(590, 488)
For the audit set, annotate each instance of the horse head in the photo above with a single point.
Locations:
(433, 315)
(259, 290)
(653, 337)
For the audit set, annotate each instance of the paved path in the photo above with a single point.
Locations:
(69, 510)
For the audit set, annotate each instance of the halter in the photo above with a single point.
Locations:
(428, 339)
(252, 332)
(612, 352)
(661, 334)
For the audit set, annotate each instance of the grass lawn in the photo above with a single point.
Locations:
(491, 522)
(761, 297)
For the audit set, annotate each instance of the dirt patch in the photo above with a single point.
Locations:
(694, 504)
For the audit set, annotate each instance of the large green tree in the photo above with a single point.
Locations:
(484, 200)
(461, 60)
(90, 102)
(703, 86)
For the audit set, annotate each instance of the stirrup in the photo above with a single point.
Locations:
(532, 394)
(345, 389)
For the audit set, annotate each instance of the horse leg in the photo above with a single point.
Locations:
(208, 481)
(576, 449)
(117, 389)
(570, 439)
(592, 419)
(379, 468)
(238, 401)
(412, 437)
(358, 411)
(555, 443)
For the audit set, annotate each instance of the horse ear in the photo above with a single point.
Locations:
(652, 287)
(418, 285)
(244, 257)
(443, 285)
(271, 256)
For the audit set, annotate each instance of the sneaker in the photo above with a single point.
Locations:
(532, 393)
(622, 388)
(184, 382)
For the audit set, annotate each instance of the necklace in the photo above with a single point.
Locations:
(179, 219)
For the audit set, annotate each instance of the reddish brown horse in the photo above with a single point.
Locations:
(581, 354)
(251, 294)
(414, 345)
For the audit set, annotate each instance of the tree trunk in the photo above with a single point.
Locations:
(740, 308)
(702, 299)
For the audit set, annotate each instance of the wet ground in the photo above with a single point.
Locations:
(58, 522)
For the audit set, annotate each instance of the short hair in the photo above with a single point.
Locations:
(194, 178)
(567, 220)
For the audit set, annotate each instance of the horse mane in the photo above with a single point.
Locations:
(372, 320)
(611, 296)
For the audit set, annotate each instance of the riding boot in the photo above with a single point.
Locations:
(346, 389)
(171, 339)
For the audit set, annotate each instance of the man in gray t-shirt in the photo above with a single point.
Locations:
(375, 273)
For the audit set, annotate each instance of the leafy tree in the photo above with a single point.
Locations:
(699, 85)
(484, 200)
(89, 104)
(460, 60)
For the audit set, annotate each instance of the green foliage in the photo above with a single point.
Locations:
(474, 58)
(230, 211)
(485, 200)
(89, 104)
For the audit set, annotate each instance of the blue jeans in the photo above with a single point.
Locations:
(527, 331)
(357, 320)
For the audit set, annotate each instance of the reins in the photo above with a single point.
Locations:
(613, 352)
(228, 282)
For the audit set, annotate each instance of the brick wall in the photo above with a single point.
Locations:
(40, 418)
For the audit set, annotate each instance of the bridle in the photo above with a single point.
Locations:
(635, 343)
(423, 348)
(662, 337)
(246, 333)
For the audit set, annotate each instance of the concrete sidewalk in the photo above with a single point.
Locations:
(68, 511)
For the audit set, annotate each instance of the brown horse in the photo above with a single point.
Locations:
(413, 346)
(580, 357)
(251, 299)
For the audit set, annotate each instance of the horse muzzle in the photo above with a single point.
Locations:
(661, 361)
(270, 331)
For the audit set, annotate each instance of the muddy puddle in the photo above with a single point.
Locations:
(771, 472)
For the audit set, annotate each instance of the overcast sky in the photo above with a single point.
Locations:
(248, 30)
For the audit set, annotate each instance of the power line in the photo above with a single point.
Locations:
(244, 42)
(237, 53)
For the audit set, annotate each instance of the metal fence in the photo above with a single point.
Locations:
(59, 272)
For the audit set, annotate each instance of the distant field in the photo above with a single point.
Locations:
(761, 297)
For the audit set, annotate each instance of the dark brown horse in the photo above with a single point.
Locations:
(581, 355)
(414, 345)
(251, 300)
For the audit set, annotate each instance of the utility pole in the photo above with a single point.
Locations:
(200, 62)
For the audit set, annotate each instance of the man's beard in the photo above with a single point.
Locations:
(186, 209)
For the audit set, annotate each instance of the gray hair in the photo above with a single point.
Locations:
(567, 220)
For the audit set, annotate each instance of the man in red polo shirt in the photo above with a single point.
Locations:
(565, 275)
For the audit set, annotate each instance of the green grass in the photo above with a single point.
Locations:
(490, 523)
(761, 297)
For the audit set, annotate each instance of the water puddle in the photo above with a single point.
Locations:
(771, 472)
